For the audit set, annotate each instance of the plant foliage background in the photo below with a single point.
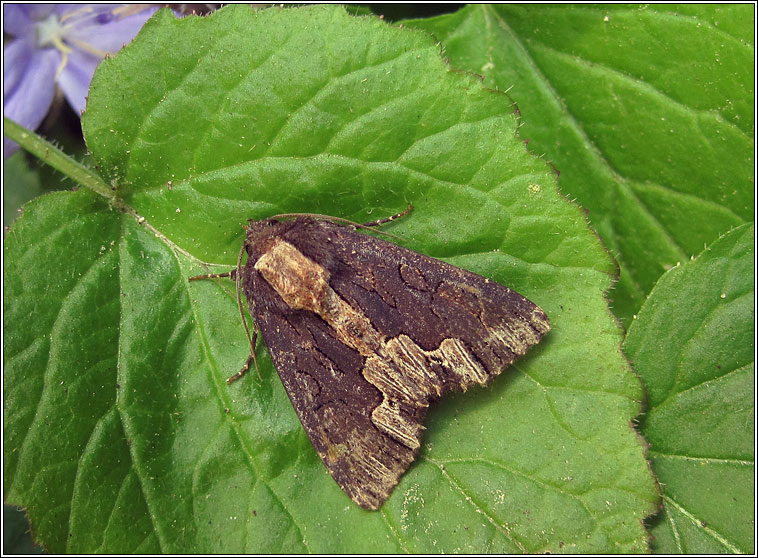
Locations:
(120, 433)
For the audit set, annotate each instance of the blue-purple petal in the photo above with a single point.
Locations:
(17, 55)
(30, 71)
(67, 9)
(30, 100)
(111, 36)
(18, 19)
(75, 78)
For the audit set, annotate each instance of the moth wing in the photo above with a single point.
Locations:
(334, 402)
(438, 305)
(440, 328)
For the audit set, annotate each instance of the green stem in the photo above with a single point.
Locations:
(50, 154)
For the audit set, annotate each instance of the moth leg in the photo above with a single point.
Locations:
(250, 359)
(242, 371)
(232, 274)
(388, 219)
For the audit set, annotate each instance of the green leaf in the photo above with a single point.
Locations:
(21, 184)
(693, 344)
(646, 111)
(121, 433)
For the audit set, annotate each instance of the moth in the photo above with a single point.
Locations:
(365, 334)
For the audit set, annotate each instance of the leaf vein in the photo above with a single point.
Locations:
(672, 395)
(393, 531)
(329, 81)
(467, 497)
(704, 460)
(709, 530)
(223, 400)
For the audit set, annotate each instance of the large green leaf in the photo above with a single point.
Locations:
(647, 111)
(121, 433)
(693, 343)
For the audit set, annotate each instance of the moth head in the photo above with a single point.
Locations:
(258, 231)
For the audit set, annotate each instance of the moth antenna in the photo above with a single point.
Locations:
(388, 219)
(349, 222)
(211, 276)
(251, 339)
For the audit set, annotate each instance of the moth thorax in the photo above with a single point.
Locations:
(300, 281)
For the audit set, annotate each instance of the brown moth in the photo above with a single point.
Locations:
(365, 334)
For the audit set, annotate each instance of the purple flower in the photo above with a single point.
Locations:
(59, 44)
